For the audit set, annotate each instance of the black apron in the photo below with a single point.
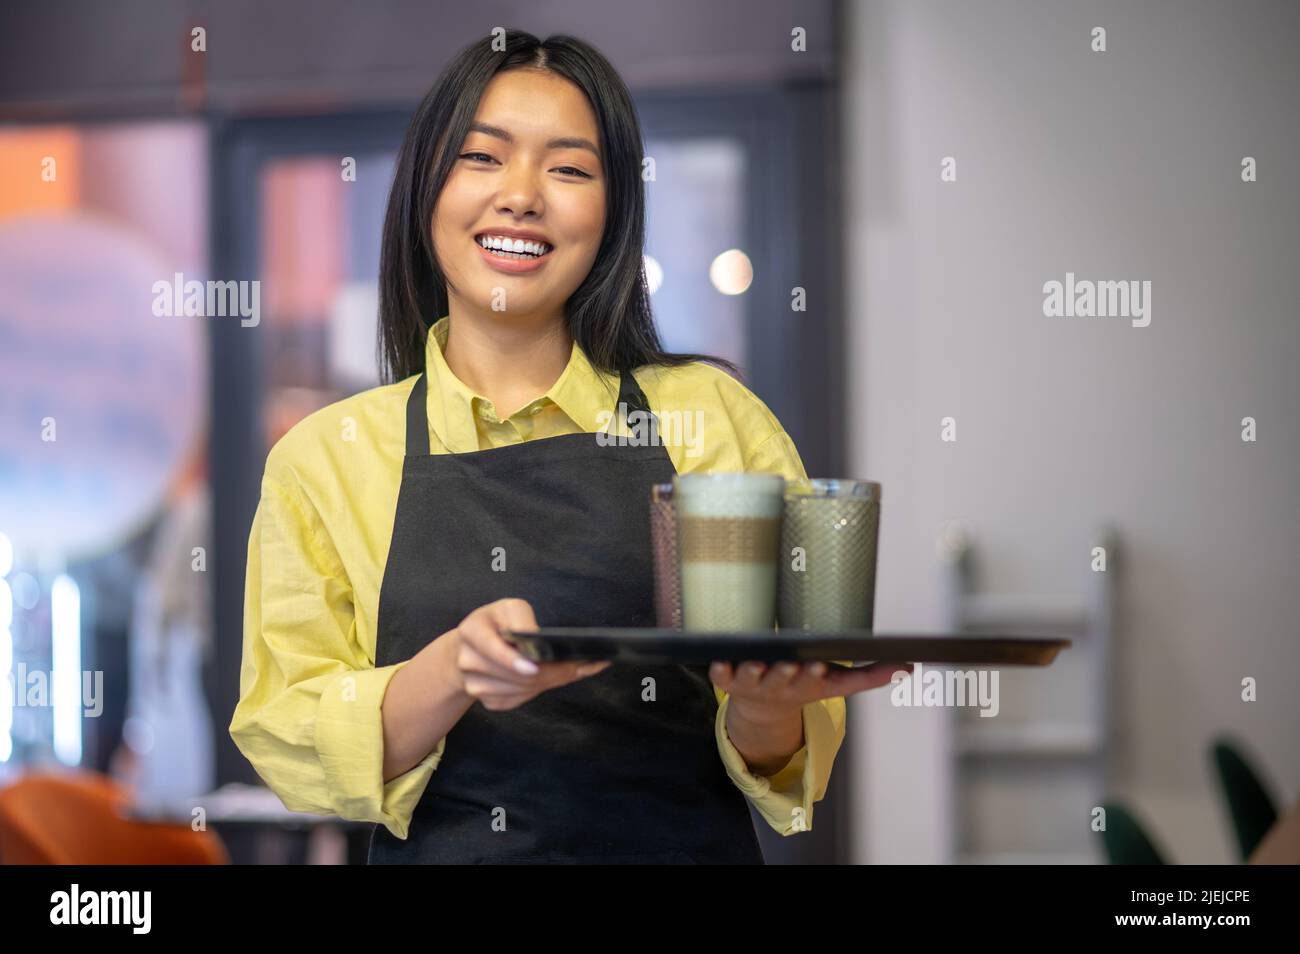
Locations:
(599, 770)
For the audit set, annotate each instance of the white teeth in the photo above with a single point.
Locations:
(504, 244)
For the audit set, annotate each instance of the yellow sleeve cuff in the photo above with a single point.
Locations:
(786, 799)
(350, 744)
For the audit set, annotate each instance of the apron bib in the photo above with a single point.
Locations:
(620, 767)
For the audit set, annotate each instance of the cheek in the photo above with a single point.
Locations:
(444, 247)
(585, 219)
(456, 209)
(452, 217)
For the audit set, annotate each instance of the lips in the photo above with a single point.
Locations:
(510, 262)
(516, 239)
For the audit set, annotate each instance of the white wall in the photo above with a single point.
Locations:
(1117, 165)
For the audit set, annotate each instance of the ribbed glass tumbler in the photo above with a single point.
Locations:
(829, 532)
(663, 539)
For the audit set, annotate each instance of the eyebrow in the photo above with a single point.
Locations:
(560, 142)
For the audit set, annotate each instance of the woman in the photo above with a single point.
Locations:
(166, 754)
(401, 530)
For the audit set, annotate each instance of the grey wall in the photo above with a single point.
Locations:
(1116, 165)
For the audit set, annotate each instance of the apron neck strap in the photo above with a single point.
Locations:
(417, 419)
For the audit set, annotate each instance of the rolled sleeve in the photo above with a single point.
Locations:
(786, 799)
(350, 744)
(309, 716)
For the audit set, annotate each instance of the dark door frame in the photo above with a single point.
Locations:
(237, 455)
(790, 135)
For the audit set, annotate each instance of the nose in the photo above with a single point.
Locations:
(519, 193)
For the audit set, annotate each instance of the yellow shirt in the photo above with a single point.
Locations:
(319, 544)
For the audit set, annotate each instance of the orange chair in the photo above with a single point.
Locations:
(78, 819)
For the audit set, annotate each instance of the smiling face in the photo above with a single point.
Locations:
(523, 168)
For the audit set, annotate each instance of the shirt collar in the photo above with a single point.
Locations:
(582, 392)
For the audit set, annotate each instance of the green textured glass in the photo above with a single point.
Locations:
(829, 531)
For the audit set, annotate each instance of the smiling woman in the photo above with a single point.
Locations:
(535, 142)
(401, 530)
(511, 170)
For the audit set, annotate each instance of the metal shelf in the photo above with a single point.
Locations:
(1032, 611)
(1032, 740)
(1068, 727)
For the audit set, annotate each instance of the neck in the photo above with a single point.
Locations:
(509, 359)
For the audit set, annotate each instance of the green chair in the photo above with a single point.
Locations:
(1127, 843)
(1249, 806)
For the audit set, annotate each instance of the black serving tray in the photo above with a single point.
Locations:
(560, 644)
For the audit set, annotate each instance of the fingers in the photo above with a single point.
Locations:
(749, 677)
(860, 679)
(517, 615)
(495, 672)
(802, 682)
(722, 675)
(754, 677)
(485, 651)
(496, 694)
(514, 613)
(779, 677)
(809, 684)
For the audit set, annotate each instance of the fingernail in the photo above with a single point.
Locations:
(525, 666)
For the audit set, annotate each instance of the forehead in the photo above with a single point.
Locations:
(536, 103)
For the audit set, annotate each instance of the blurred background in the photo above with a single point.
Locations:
(802, 142)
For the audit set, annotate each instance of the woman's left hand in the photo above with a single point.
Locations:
(759, 689)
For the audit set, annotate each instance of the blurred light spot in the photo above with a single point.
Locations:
(954, 536)
(6, 555)
(654, 274)
(65, 620)
(731, 272)
(27, 591)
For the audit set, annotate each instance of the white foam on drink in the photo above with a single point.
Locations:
(729, 495)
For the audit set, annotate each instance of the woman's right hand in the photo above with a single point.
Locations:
(496, 674)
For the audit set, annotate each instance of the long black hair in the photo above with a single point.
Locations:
(609, 314)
